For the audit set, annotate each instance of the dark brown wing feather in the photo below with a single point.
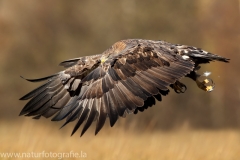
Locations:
(89, 90)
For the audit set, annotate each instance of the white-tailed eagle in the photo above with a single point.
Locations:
(126, 78)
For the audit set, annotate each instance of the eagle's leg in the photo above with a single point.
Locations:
(179, 87)
(203, 82)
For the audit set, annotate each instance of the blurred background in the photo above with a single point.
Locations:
(35, 36)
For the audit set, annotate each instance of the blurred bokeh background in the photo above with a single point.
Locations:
(35, 36)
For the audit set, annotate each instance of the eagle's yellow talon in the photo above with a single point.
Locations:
(206, 84)
(209, 88)
(206, 81)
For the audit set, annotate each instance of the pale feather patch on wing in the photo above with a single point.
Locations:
(119, 46)
(185, 57)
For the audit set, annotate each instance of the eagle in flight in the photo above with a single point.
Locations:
(126, 78)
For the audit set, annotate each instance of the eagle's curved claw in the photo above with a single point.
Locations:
(179, 87)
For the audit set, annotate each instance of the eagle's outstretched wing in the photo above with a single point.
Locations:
(126, 78)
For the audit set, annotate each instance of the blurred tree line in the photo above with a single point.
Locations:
(36, 35)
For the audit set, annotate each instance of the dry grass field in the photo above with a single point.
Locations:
(116, 143)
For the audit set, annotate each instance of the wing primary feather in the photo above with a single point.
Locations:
(65, 111)
(69, 63)
(130, 68)
(70, 117)
(74, 115)
(83, 115)
(109, 82)
(99, 90)
(140, 66)
(102, 116)
(158, 97)
(120, 74)
(127, 103)
(35, 91)
(90, 118)
(62, 101)
(176, 72)
(165, 78)
(137, 101)
(98, 73)
(164, 93)
(46, 103)
(37, 117)
(121, 105)
(145, 84)
(137, 86)
(135, 90)
(159, 83)
(104, 85)
(88, 77)
(148, 103)
(75, 84)
(49, 112)
(163, 73)
(40, 99)
(113, 113)
(40, 110)
(126, 71)
(113, 74)
(36, 103)
(41, 79)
